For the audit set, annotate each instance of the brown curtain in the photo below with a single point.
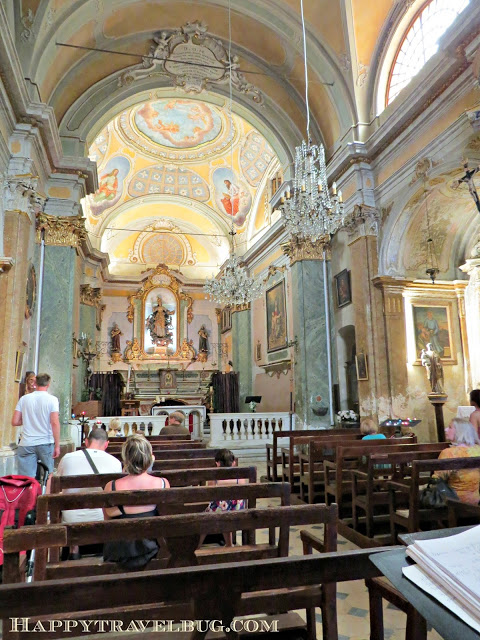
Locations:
(111, 385)
(226, 397)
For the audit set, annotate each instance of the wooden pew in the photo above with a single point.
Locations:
(370, 486)
(184, 463)
(414, 518)
(338, 477)
(169, 502)
(192, 587)
(166, 446)
(175, 454)
(311, 473)
(273, 458)
(177, 478)
(153, 439)
(290, 457)
(182, 548)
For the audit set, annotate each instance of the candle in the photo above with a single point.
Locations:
(334, 188)
(340, 198)
(320, 187)
(288, 193)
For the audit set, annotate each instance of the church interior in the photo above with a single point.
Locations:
(262, 213)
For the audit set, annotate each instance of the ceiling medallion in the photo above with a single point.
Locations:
(193, 60)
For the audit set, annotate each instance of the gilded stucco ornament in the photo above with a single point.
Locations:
(173, 52)
(298, 250)
(161, 277)
(67, 231)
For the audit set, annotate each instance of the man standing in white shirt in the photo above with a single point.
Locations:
(93, 459)
(37, 412)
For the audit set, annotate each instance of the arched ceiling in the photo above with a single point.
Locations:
(174, 173)
(266, 37)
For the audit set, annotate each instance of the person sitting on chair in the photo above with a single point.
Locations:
(465, 444)
(175, 425)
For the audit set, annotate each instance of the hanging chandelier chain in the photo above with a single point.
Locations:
(306, 70)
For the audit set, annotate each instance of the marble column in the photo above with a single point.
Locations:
(362, 227)
(472, 317)
(19, 215)
(242, 351)
(62, 237)
(395, 339)
(311, 385)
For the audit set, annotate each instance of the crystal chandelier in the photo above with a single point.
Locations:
(233, 286)
(309, 210)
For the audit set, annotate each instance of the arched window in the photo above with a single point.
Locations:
(421, 42)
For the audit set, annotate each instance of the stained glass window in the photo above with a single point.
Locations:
(421, 41)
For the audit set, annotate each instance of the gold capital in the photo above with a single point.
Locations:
(298, 250)
(65, 231)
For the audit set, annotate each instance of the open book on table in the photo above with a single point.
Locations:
(449, 570)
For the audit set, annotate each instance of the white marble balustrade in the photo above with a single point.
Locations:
(246, 434)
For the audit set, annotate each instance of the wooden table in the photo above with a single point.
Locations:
(391, 563)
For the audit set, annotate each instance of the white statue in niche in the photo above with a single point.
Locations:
(159, 324)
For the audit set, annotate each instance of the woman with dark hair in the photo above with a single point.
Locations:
(137, 458)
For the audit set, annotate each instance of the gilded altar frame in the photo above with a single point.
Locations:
(160, 278)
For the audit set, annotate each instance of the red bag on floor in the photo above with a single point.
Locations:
(18, 498)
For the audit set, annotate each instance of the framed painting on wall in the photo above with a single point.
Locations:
(343, 288)
(19, 366)
(276, 317)
(432, 325)
(362, 366)
(226, 323)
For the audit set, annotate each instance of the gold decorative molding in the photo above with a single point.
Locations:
(6, 264)
(89, 295)
(218, 313)
(186, 350)
(298, 250)
(64, 231)
(132, 350)
(272, 270)
(161, 277)
(240, 307)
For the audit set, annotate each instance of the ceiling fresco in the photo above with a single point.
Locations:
(164, 153)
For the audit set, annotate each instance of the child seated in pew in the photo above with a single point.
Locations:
(225, 458)
(137, 457)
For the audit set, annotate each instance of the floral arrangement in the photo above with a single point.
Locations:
(347, 414)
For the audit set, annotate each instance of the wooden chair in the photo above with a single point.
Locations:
(414, 518)
(370, 487)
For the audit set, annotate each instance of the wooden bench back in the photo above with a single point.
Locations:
(153, 439)
(176, 478)
(429, 451)
(184, 463)
(162, 446)
(64, 600)
(181, 533)
(175, 454)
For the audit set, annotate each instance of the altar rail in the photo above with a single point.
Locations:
(246, 434)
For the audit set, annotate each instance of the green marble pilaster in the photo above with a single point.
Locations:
(242, 353)
(309, 329)
(56, 327)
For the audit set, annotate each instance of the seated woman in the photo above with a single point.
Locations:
(137, 457)
(465, 444)
(225, 458)
(114, 428)
(370, 430)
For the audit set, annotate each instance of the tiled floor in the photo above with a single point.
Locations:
(352, 597)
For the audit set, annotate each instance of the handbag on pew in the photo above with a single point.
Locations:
(435, 494)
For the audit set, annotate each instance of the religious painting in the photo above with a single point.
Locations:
(232, 195)
(362, 366)
(258, 351)
(343, 288)
(178, 123)
(432, 326)
(276, 317)
(226, 319)
(110, 185)
(31, 292)
(19, 365)
(168, 379)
